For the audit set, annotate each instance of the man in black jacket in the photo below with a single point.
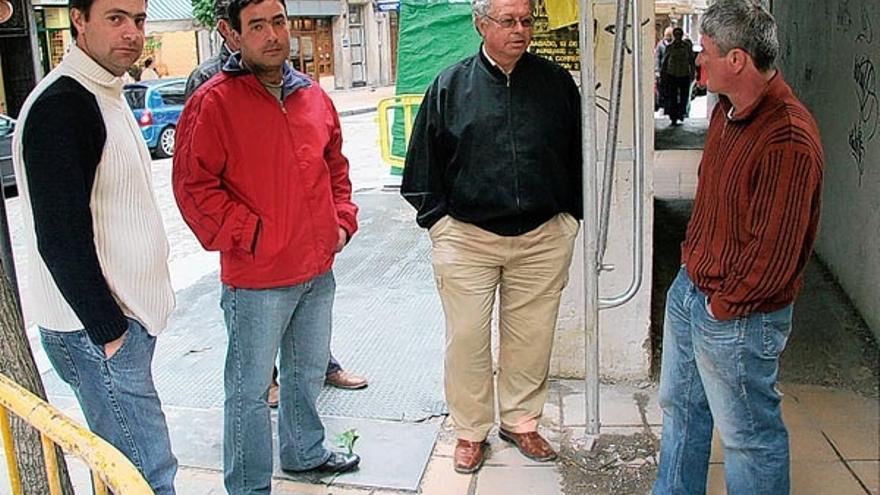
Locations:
(494, 170)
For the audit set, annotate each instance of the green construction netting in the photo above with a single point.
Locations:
(434, 34)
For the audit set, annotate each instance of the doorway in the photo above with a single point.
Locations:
(356, 36)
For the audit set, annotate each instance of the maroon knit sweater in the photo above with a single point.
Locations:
(757, 207)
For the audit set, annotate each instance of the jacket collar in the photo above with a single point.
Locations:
(291, 79)
(77, 62)
(495, 71)
(775, 90)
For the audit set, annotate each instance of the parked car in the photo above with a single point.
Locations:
(7, 126)
(157, 105)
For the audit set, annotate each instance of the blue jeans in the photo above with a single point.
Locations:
(296, 320)
(723, 373)
(118, 398)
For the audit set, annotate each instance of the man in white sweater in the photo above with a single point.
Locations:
(97, 274)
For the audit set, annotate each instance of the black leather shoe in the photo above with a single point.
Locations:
(339, 462)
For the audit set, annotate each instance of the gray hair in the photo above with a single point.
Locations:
(743, 24)
(482, 7)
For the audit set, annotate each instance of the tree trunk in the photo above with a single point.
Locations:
(17, 362)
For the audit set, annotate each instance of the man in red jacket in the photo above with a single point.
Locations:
(259, 175)
(728, 313)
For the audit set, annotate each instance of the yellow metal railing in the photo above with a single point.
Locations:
(387, 109)
(109, 467)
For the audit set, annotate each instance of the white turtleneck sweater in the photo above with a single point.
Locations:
(96, 247)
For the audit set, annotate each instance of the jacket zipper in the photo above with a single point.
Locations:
(513, 143)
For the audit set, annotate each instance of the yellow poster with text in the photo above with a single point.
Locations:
(561, 13)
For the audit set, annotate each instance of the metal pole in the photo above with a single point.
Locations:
(617, 69)
(638, 171)
(591, 227)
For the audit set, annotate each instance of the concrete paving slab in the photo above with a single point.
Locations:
(868, 473)
(441, 479)
(394, 455)
(284, 487)
(619, 404)
(518, 480)
(199, 481)
(830, 406)
(855, 441)
(814, 478)
(794, 413)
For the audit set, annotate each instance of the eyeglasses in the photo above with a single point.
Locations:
(510, 23)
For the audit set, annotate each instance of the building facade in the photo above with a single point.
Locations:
(344, 43)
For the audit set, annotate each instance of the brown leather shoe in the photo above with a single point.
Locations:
(468, 456)
(273, 395)
(346, 380)
(530, 444)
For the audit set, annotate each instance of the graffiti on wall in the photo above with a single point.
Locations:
(865, 126)
(844, 18)
(866, 28)
(864, 129)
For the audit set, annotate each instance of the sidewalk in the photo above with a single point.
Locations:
(834, 448)
(359, 100)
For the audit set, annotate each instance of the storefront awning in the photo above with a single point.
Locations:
(169, 10)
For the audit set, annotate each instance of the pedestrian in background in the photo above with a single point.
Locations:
(149, 73)
(259, 175)
(494, 170)
(212, 66)
(97, 276)
(677, 73)
(659, 52)
(728, 312)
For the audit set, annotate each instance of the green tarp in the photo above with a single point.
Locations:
(434, 34)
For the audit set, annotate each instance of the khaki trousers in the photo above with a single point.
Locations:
(529, 271)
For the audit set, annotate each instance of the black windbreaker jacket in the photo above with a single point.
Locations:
(502, 153)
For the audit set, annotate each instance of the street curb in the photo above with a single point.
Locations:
(356, 111)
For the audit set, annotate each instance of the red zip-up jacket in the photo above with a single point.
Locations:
(261, 181)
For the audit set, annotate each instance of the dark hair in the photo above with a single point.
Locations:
(83, 6)
(678, 33)
(221, 10)
(236, 6)
(743, 24)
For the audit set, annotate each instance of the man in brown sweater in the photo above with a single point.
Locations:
(728, 313)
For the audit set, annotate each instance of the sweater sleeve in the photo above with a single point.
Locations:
(218, 220)
(426, 161)
(62, 141)
(787, 188)
(340, 183)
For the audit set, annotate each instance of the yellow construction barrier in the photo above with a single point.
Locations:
(109, 467)
(388, 106)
